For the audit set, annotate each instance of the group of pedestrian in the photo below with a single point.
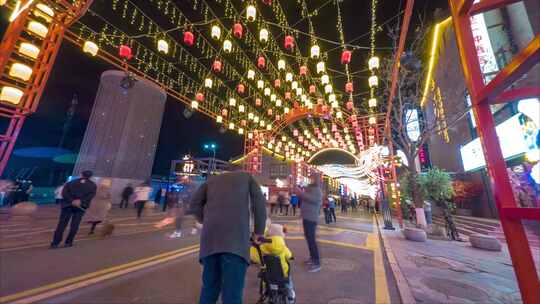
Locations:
(283, 202)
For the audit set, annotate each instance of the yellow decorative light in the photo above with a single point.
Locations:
(263, 35)
(208, 83)
(260, 84)
(241, 108)
(372, 120)
(240, 131)
(219, 119)
(21, 71)
(267, 92)
(321, 67)
(315, 51)
(44, 12)
(90, 47)
(268, 127)
(232, 102)
(372, 102)
(38, 28)
(328, 89)
(227, 46)
(373, 63)
(251, 74)
(281, 64)
(194, 104)
(216, 32)
(288, 77)
(231, 126)
(251, 13)
(325, 79)
(163, 46)
(11, 95)
(273, 97)
(278, 103)
(373, 81)
(29, 50)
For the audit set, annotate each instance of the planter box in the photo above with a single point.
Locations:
(415, 234)
(485, 242)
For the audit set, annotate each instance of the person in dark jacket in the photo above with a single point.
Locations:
(311, 204)
(126, 194)
(78, 195)
(223, 204)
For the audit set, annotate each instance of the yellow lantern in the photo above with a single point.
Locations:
(219, 119)
(91, 48)
(21, 71)
(216, 32)
(208, 83)
(373, 63)
(29, 50)
(44, 12)
(281, 64)
(38, 29)
(315, 51)
(260, 84)
(263, 35)
(328, 89)
(325, 79)
(194, 104)
(232, 102)
(373, 81)
(231, 126)
(11, 95)
(251, 13)
(321, 67)
(227, 46)
(251, 74)
(372, 102)
(288, 77)
(163, 46)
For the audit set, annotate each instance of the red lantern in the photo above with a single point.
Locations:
(346, 57)
(312, 89)
(296, 104)
(189, 38)
(289, 42)
(238, 31)
(217, 66)
(258, 102)
(325, 109)
(267, 2)
(125, 52)
(277, 83)
(303, 70)
(241, 88)
(270, 112)
(287, 95)
(224, 112)
(350, 105)
(349, 87)
(353, 118)
(199, 97)
(243, 122)
(278, 117)
(261, 62)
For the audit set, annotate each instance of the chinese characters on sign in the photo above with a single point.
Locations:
(486, 57)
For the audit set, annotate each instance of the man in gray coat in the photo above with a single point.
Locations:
(311, 204)
(222, 205)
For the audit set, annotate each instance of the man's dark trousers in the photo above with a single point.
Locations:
(223, 273)
(67, 213)
(310, 232)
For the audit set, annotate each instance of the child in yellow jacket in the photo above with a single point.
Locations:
(278, 248)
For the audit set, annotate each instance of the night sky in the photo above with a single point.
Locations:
(76, 73)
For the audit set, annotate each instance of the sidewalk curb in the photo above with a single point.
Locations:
(402, 284)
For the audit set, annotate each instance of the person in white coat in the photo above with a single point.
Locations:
(101, 204)
(141, 196)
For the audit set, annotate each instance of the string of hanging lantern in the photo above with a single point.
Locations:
(373, 64)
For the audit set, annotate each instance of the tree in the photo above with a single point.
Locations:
(409, 97)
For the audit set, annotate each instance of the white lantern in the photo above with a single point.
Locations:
(294, 85)
(194, 104)
(44, 11)
(321, 67)
(250, 116)
(332, 98)
(21, 71)
(298, 91)
(263, 35)
(372, 120)
(241, 108)
(315, 52)
(216, 32)
(227, 46)
(232, 102)
(325, 79)
(90, 48)
(304, 98)
(267, 92)
(373, 63)
(339, 114)
(328, 89)
(231, 126)
(251, 74)
(372, 102)
(38, 28)
(288, 77)
(219, 119)
(260, 84)
(269, 127)
(309, 105)
(335, 105)
(29, 50)
(256, 119)
(373, 81)
(208, 83)
(251, 13)
(273, 97)
(240, 131)
(286, 110)
(278, 103)
(163, 46)
(11, 95)
(281, 64)
(250, 135)
(262, 123)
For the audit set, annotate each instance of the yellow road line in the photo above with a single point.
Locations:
(134, 265)
(382, 294)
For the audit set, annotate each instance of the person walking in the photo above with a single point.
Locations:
(158, 196)
(294, 203)
(223, 204)
(101, 204)
(272, 201)
(78, 195)
(286, 203)
(181, 209)
(126, 195)
(281, 202)
(142, 195)
(58, 194)
(311, 204)
(332, 209)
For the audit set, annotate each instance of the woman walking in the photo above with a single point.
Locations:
(101, 204)
(142, 195)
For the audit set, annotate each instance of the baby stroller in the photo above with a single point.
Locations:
(273, 287)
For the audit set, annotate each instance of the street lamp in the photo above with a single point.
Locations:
(212, 163)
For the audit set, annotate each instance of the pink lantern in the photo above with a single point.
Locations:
(270, 112)
(320, 101)
(125, 52)
(353, 118)
(346, 57)
(267, 2)
(217, 66)
(277, 83)
(288, 95)
(199, 97)
(238, 31)
(334, 128)
(261, 62)
(289, 42)
(350, 105)
(325, 109)
(240, 88)
(295, 132)
(303, 70)
(243, 123)
(296, 104)
(349, 87)
(188, 38)
(278, 117)
(312, 89)
(224, 112)
(258, 102)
